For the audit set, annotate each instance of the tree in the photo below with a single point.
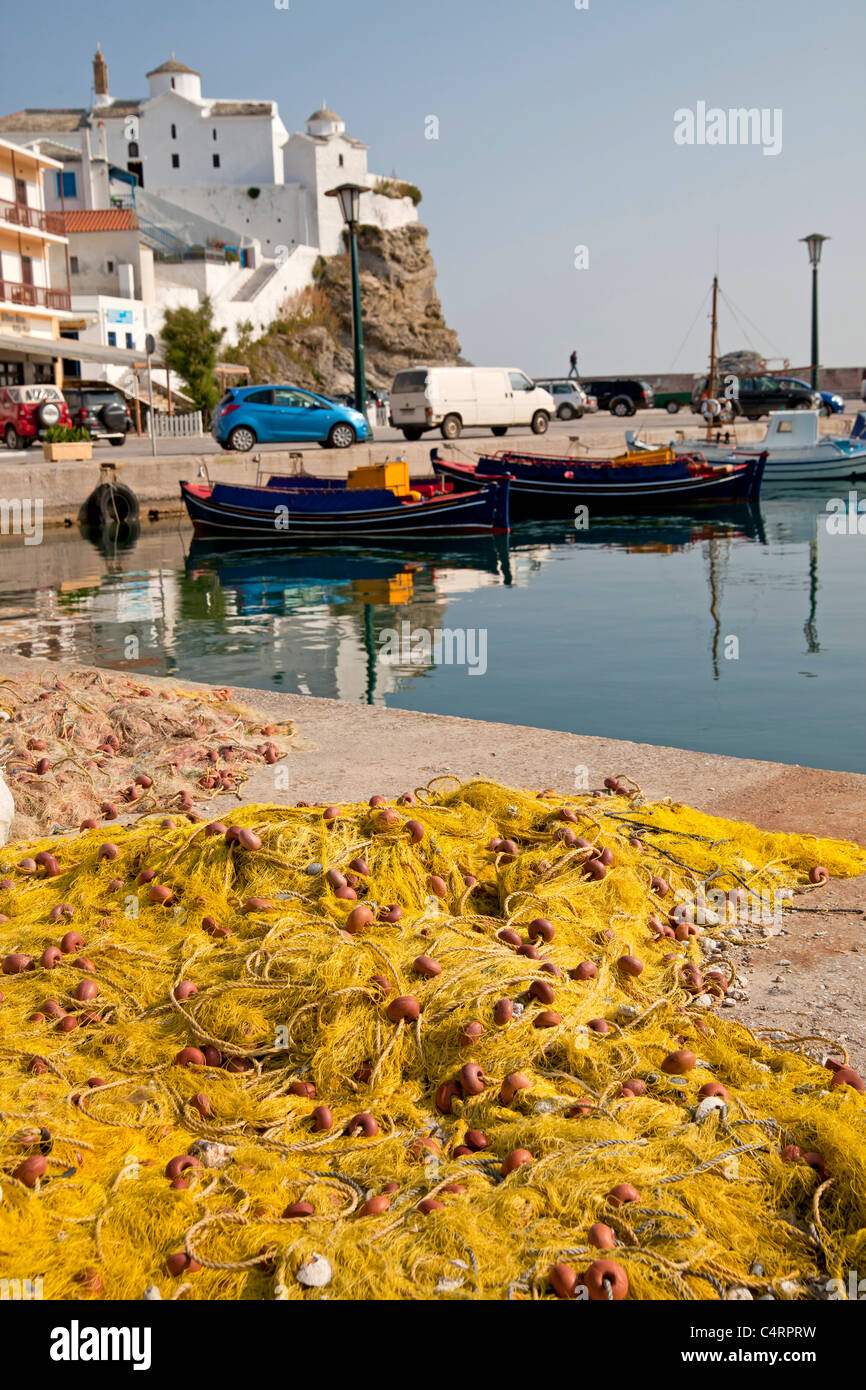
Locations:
(189, 346)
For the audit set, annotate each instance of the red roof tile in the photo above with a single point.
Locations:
(102, 220)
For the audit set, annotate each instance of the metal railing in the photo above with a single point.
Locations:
(188, 424)
(37, 296)
(23, 215)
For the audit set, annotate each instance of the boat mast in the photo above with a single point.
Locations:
(711, 384)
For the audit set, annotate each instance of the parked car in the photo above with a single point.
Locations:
(569, 398)
(250, 415)
(101, 410)
(671, 401)
(423, 398)
(755, 396)
(374, 397)
(621, 395)
(831, 402)
(26, 412)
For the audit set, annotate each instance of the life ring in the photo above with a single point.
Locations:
(712, 409)
(109, 504)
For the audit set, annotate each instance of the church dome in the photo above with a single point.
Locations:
(172, 76)
(325, 122)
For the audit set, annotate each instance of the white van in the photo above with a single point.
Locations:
(423, 398)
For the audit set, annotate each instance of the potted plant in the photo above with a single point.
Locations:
(63, 442)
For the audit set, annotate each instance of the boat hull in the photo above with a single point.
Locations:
(833, 462)
(608, 489)
(285, 516)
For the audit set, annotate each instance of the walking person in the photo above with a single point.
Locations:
(573, 364)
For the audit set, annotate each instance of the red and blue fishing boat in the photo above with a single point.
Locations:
(552, 486)
(298, 508)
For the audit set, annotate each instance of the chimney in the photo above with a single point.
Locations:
(100, 79)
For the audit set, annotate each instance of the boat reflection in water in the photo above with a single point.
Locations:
(364, 586)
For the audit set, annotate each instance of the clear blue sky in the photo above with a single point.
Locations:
(555, 129)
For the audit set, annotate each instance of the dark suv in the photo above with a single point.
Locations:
(621, 396)
(754, 396)
(101, 409)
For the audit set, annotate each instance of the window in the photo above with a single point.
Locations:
(175, 161)
(67, 186)
(133, 149)
(109, 267)
(214, 132)
(172, 84)
(216, 161)
(174, 132)
(112, 340)
(295, 400)
(260, 398)
(340, 160)
(410, 381)
(519, 382)
(129, 342)
(73, 265)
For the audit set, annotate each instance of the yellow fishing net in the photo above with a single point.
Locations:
(304, 1094)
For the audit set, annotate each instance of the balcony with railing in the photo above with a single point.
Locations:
(33, 296)
(23, 216)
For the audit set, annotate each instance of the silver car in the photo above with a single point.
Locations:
(571, 400)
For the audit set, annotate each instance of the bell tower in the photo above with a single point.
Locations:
(100, 79)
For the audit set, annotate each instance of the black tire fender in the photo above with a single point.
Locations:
(110, 503)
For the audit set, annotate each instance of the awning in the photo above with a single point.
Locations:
(74, 349)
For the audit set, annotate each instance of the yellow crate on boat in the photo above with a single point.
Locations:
(665, 454)
(392, 475)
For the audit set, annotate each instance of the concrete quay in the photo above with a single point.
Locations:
(64, 487)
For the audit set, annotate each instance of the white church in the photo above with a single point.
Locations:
(189, 171)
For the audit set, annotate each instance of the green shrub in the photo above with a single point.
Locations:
(398, 188)
(66, 434)
(190, 342)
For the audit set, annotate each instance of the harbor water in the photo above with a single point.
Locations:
(737, 631)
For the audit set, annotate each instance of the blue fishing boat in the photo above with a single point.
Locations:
(553, 486)
(288, 510)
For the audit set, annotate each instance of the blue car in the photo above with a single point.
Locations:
(250, 415)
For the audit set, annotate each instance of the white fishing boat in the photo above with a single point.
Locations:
(793, 447)
(795, 450)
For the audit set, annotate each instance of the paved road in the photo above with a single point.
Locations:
(601, 429)
(588, 428)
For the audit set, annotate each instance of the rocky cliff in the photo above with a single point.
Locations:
(310, 343)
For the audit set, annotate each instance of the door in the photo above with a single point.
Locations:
(494, 398)
(522, 399)
(773, 396)
(298, 415)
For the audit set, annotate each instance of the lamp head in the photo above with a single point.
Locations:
(349, 195)
(814, 244)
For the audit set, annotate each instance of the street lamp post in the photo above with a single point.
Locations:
(349, 195)
(814, 244)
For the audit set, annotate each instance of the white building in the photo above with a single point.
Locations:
(34, 279)
(223, 173)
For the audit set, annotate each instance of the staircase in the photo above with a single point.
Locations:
(161, 242)
(259, 278)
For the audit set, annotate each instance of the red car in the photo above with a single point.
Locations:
(26, 412)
